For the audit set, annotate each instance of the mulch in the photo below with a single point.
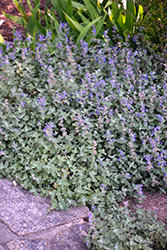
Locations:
(7, 6)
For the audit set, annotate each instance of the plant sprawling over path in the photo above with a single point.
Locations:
(87, 126)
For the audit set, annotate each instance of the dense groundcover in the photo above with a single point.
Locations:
(87, 126)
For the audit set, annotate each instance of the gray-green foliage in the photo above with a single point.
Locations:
(117, 227)
(87, 126)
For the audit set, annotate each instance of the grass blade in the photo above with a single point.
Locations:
(117, 18)
(56, 23)
(31, 21)
(116, 11)
(29, 5)
(76, 25)
(69, 8)
(57, 7)
(130, 7)
(85, 29)
(79, 6)
(84, 19)
(21, 10)
(39, 26)
(91, 10)
(15, 19)
(98, 29)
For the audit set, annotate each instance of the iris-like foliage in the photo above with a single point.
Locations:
(87, 126)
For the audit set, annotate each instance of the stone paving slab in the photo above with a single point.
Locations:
(62, 242)
(26, 225)
(28, 245)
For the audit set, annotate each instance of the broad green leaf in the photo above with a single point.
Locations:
(79, 6)
(116, 11)
(47, 5)
(91, 10)
(62, 4)
(69, 8)
(107, 4)
(131, 8)
(75, 24)
(21, 10)
(118, 19)
(39, 26)
(56, 24)
(98, 29)
(130, 17)
(34, 11)
(58, 7)
(15, 19)
(36, 2)
(29, 5)
(110, 23)
(31, 23)
(54, 2)
(84, 19)
(85, 29)
(119, 24)
(35, 34)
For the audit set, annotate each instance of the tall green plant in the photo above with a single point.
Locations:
(115, 14)
(129, 18)
(81, 16)
(123, 15)
(71, 12)
(66, 10)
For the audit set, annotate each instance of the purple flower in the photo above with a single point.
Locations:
(49, 130)
(94, 31)
(41, 101)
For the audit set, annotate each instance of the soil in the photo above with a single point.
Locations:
(153, 201)
(8, 7)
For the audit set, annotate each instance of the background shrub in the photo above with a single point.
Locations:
(154, 25)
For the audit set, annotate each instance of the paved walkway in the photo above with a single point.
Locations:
(26, 225)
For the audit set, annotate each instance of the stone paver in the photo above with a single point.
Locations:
(26, 225)
(62, 242)
(28, 245)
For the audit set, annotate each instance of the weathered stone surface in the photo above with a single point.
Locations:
(6, 234)
(27, 245)
(70, 239)
(25, 213)
(26, 225)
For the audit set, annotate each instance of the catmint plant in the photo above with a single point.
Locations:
(86, 126)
